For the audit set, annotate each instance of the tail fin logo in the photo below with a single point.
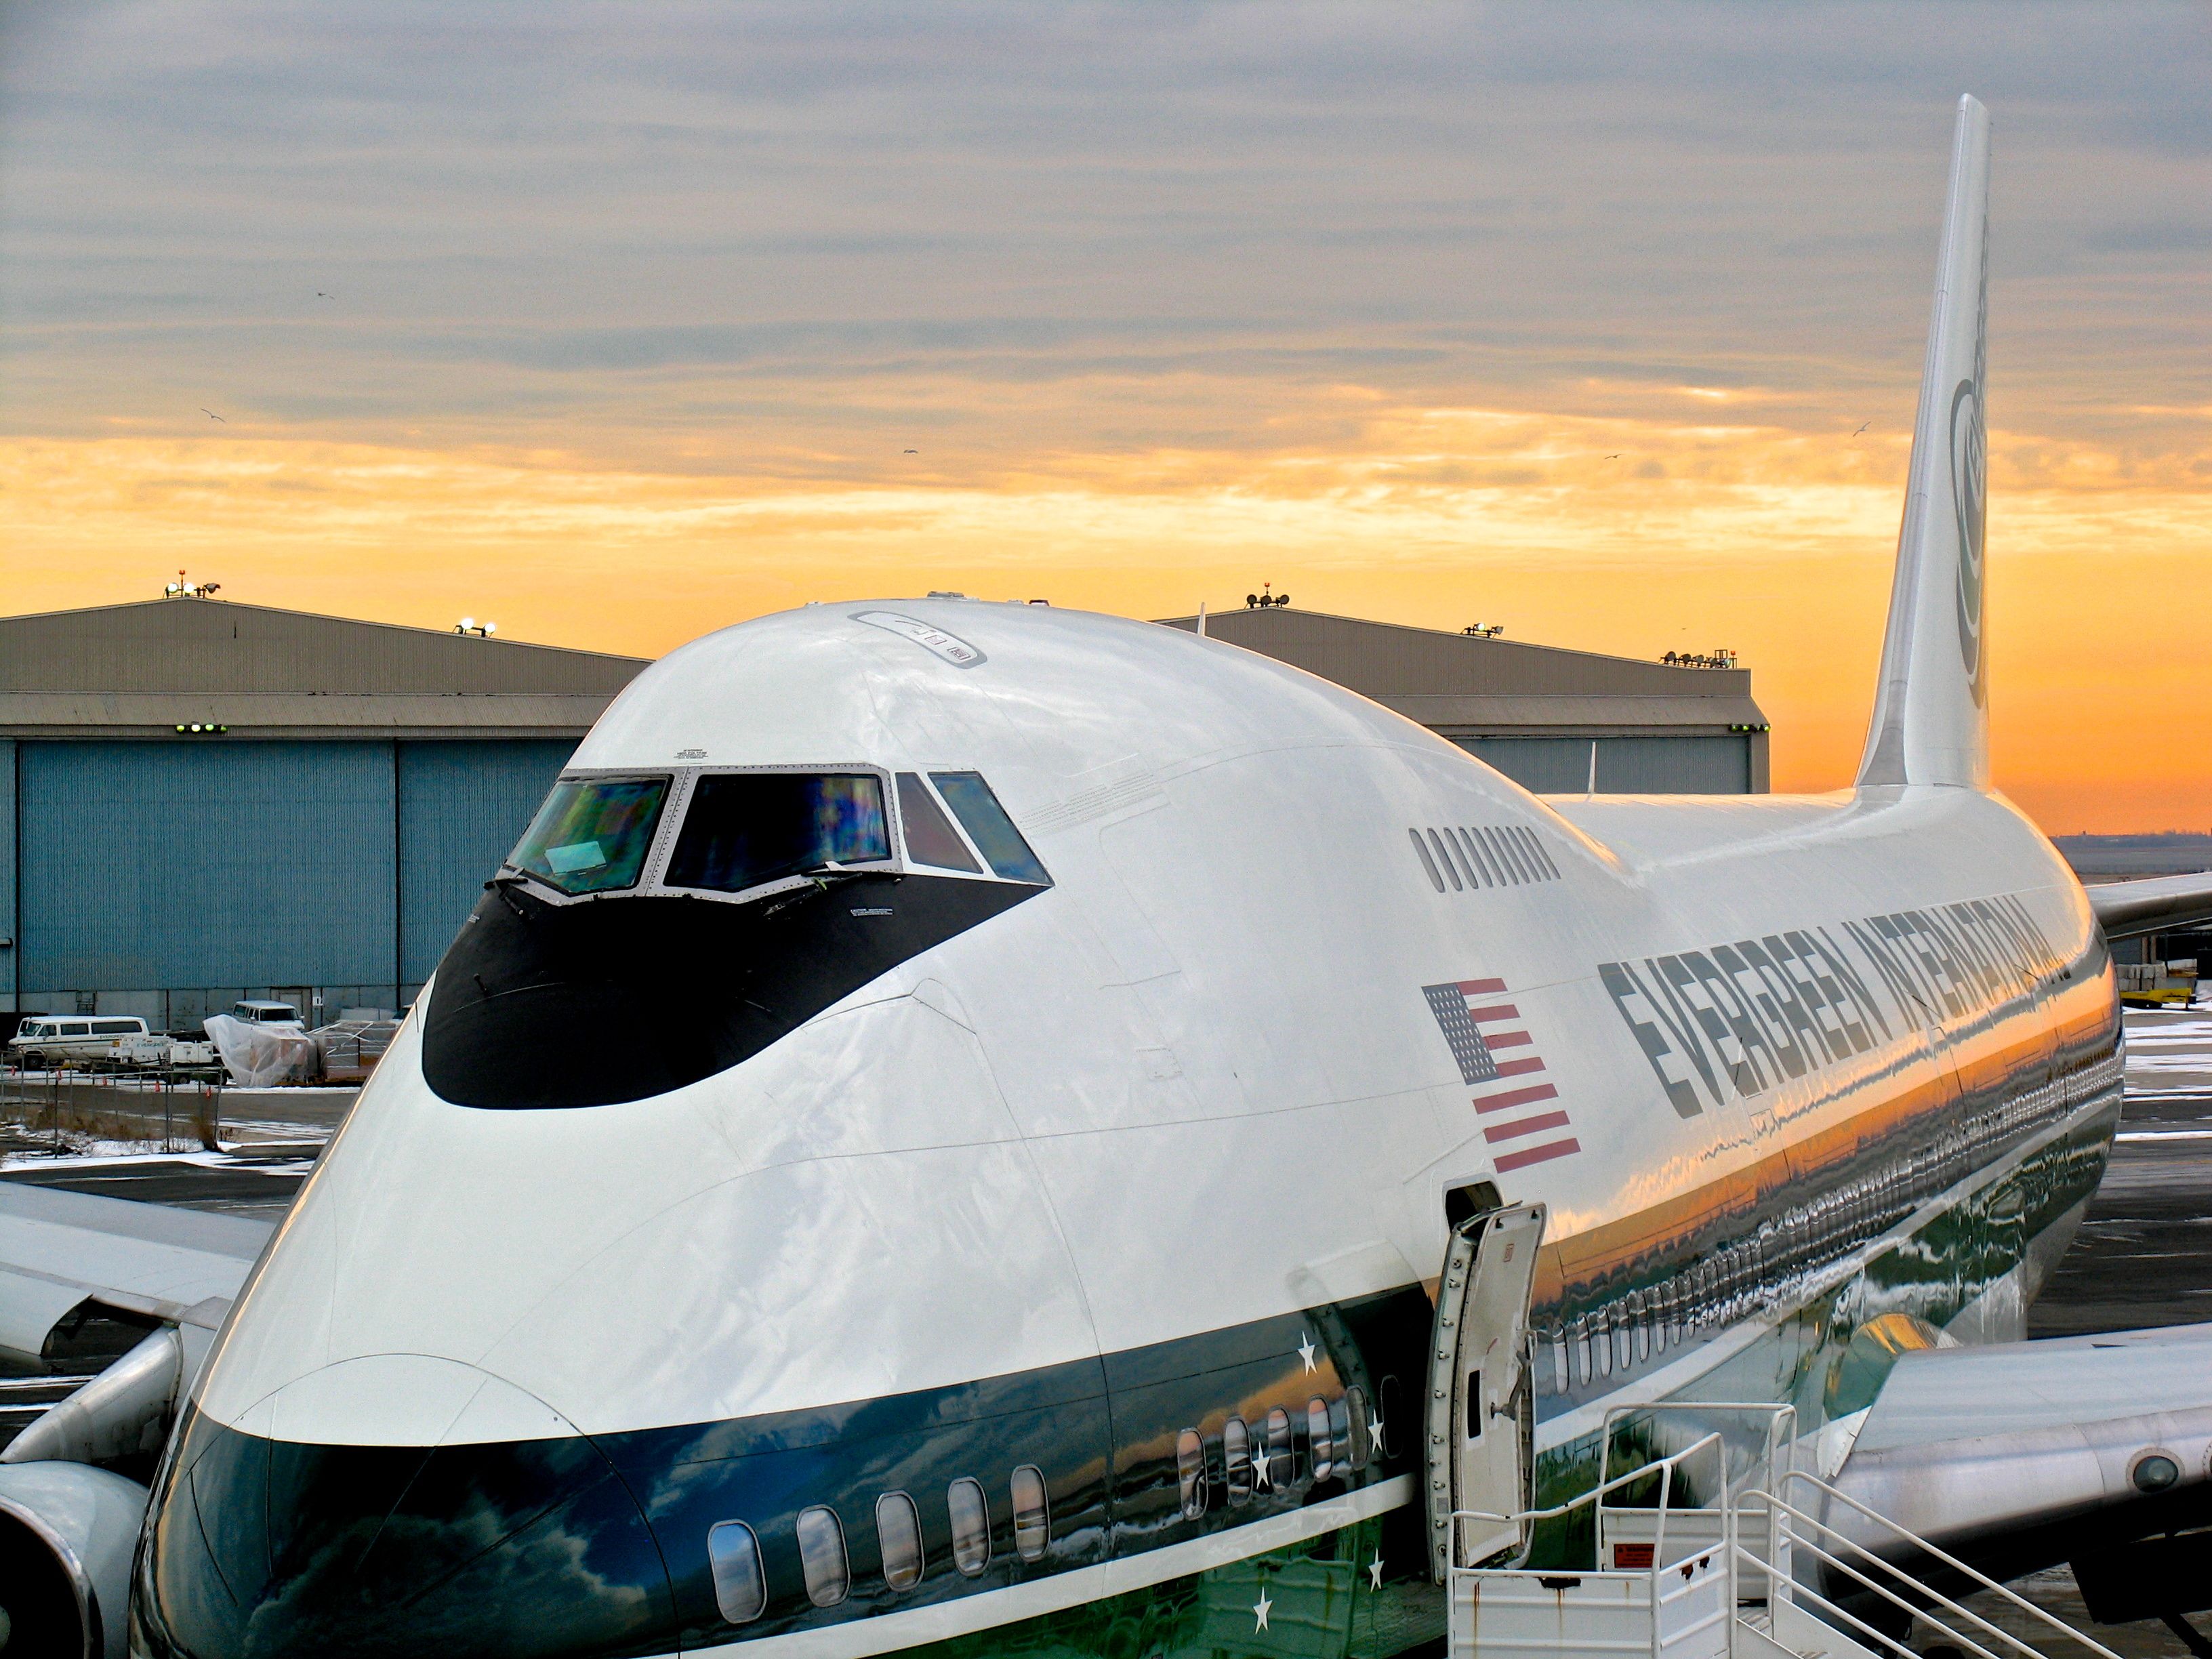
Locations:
(1969, 498)
(1968, 501)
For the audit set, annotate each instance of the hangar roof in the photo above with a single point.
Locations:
(140, 670)
(1463, 685)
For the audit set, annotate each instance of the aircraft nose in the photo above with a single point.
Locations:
(268, 1543)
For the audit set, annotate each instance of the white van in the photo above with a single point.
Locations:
(267, 1013)
(44, 1037)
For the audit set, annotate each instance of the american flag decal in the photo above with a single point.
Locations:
(1521, 1118)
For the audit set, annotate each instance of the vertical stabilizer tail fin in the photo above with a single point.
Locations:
(1930, 716)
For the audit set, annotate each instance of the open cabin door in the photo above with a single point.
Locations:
(1480, 1442)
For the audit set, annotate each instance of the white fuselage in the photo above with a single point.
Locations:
(1195, 1085)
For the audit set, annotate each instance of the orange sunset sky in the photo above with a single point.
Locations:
(618, 324)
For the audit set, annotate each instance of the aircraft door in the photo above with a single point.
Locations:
(1480, 1442)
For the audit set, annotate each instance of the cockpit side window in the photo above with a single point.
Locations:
(930, 837)
(989, 828)
(593, 834)
(743, 828)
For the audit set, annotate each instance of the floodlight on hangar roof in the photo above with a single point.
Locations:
(1460, 683)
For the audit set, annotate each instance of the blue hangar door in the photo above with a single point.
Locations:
(155, 867)
(462, 807)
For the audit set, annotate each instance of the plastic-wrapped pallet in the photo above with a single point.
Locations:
(256, 1056)
(350, 1048)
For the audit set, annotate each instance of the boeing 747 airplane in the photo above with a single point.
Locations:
(980, 1128)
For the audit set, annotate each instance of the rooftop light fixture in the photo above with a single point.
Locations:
(185, 588)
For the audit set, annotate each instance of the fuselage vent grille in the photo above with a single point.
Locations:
(1467, 859)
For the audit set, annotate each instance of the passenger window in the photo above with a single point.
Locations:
(1320, 1438)
(740, 1590)
(1444, 858)
(898, 1536)
(1421, 849)
(1236, 1459)
(1542, 854)
(76, 1028)
(1282, 1458)
(1339, 1436)
(1190, 1473)
(114, 1027)
(1032, 1524)
(1357, 1445)
(1515, 861)
(1468, 852)
(930, 836)
(971, 1526)
(822, 1554)
(988, 826)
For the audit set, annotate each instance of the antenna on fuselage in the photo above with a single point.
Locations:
(1201, 619)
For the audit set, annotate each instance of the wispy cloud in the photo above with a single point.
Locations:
(1363, 294)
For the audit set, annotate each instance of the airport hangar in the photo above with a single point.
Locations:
(205, 800)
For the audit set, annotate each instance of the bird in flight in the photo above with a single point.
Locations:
(320, 295)
(1863, 425)
(914, 452)
(1615, 456)
(212, 416)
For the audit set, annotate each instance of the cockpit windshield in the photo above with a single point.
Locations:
(593, 834)
(745, 828)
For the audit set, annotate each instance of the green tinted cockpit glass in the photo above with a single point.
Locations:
(989, 827)
(593, 834)
(745, 828)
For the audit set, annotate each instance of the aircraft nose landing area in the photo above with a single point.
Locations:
(349, 1551)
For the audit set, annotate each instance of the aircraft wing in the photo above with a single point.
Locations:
(2127, 909)
(59, 1250)
(2019, 1454)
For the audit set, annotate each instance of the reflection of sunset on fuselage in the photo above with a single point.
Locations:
(1759, 535)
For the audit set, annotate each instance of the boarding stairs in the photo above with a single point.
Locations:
(1691, 1564)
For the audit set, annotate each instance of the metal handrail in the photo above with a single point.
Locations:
(1781, 1423)
(1664, 1468)
(1900, 1602)
(1974, 1575)
(1774, 1411)
(1789, 1526)
(1659, 1595)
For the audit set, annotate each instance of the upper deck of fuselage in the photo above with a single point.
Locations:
(1033, 696)
(1060, 709)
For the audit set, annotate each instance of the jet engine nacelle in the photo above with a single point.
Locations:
(67, 1532)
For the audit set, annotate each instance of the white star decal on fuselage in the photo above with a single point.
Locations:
(1306, 1351)
(1374, 1572)
(1259, 1611)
